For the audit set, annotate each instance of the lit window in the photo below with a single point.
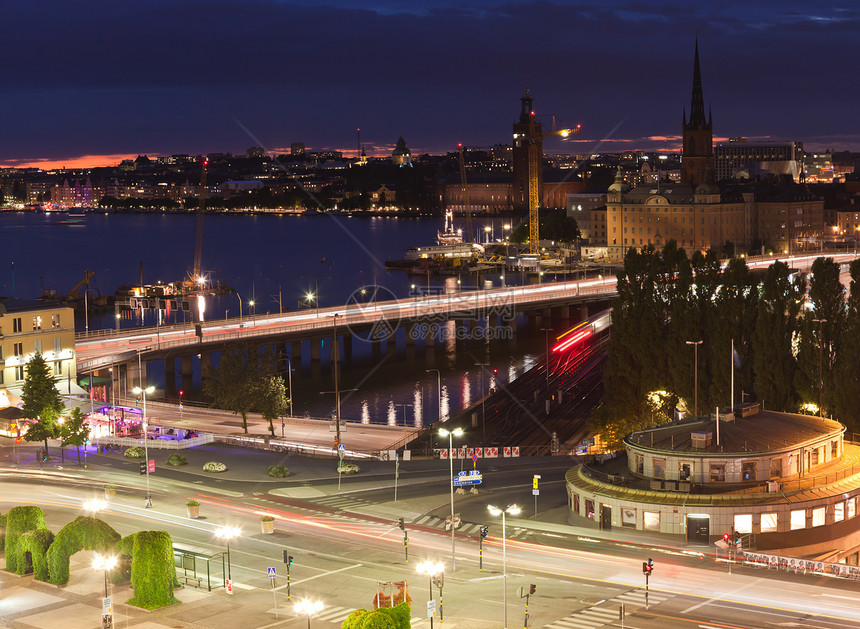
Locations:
(743, 524)
(659, 468)
(798, 519)
(718, 472)
(839, 512)
(768, 522)
(851, 504)
(651, 520)
(818, 516)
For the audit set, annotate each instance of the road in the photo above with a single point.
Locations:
(345, 542)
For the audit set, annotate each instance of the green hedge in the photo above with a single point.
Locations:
(134, 452)
(278, 471)
(153, 575)
(176, 460)
(20, 520)
(398, 617)
(37, 543)
(83, 533)
(2, 532)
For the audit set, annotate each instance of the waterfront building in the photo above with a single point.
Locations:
(27, 327)
(740, 159)
(782, 483)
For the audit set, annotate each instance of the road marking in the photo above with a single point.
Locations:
(711, 600)
(317, 576)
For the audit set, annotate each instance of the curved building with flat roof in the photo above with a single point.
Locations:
(782, 482)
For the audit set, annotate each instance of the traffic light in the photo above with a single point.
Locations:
(484, 532)
(532, 589)
(142, 468)
(648, 567)
(726, 537)
(737, 538)
(402, 525)
(289, 560)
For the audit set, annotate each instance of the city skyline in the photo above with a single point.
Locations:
(190, 77)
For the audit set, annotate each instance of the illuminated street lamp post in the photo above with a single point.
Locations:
(102, 562)
(308, 607)
(253, 312)
(513, 510)
(457, 432)
(240, 307)
(431, 569)
(142, 392)
(227, 533)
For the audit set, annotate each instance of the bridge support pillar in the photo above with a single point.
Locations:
(375, 347)
(583, 312)
(410, 334)
(430, 335)
(315, 349)
(347, 347)
(391, 343)
(296, 351)
(547, 315)
(564, 312)
(135, 375)
(170, 375)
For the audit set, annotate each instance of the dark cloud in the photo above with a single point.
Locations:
(173, 76)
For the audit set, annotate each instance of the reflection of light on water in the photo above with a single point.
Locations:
(467, 391)
(418, 407)
(365, 412)
(201, 306)
(512, 372)
(392, 413)
(446, 403)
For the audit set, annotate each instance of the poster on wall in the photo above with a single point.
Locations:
(628, 518)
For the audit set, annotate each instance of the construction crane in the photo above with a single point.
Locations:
(74, 294)
(535, 142)
(201, 209)
(466, 204)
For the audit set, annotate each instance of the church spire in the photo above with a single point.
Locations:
(697, 103)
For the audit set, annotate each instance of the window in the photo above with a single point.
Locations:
(798, 519)
(748, 470)
(16, 325)
(684, 472)
(818, 516)
(834, 449)
(650, 521)
(851, 507)
(743, 524)
(659, 468)
(19, 372)
(839, 512)
(576, 504)
(18, 349)
(37, 322)
(815, 456)
(768, 522)
(628, 518)
(640, 464)
(589, 509)
(775, 468)
(55, 320)
(58, 345)
(718, 472)
(58, 368)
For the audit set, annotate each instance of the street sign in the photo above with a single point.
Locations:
(431, 608)
(341, 447)
(151, 464)
(471, 477)
(270, 572)
(142, 467)
(107, 608)
(474, 458)
(536, 492)
(228, 585)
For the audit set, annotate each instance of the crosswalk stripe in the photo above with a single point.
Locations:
(573, 623)
(599, 613)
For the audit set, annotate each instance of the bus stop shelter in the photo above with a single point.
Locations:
(199, 566)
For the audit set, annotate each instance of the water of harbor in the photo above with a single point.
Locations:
(275, 261)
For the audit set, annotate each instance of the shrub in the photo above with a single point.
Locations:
(134, 452)
(347, 468)
(278, 471)
(82, 533)
(192, 503)
(2, 532)
(37, 543)
(20, 520)
(109, 486)
(153, 575)
(214, 466)
(176, 460)
(267, 518)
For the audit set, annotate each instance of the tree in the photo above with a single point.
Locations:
(75, 431)
(846, 377)
(42, 401)
(238, 380)
(272, 399)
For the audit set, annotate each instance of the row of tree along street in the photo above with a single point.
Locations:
(797, 339)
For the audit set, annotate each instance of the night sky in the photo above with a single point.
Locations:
(92, 81)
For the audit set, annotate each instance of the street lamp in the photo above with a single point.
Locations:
(142, 392)
(695, 345)
(457, 432)
(253, 311)
(102, 562)
(820, 323)
(431, 569)
(95, 505)
(512, 510)
(240, 307)
(227, 533)
(308, 607)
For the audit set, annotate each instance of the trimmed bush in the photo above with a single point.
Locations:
(348, 468)
(153, 575)
(398, 617)
(267, 518)
(176, 460)
(134, 452)
(19, 521)
(83, 533)
(37, 543)
(214, 466)
(278, 471)
(2, 532)
(192, 503)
